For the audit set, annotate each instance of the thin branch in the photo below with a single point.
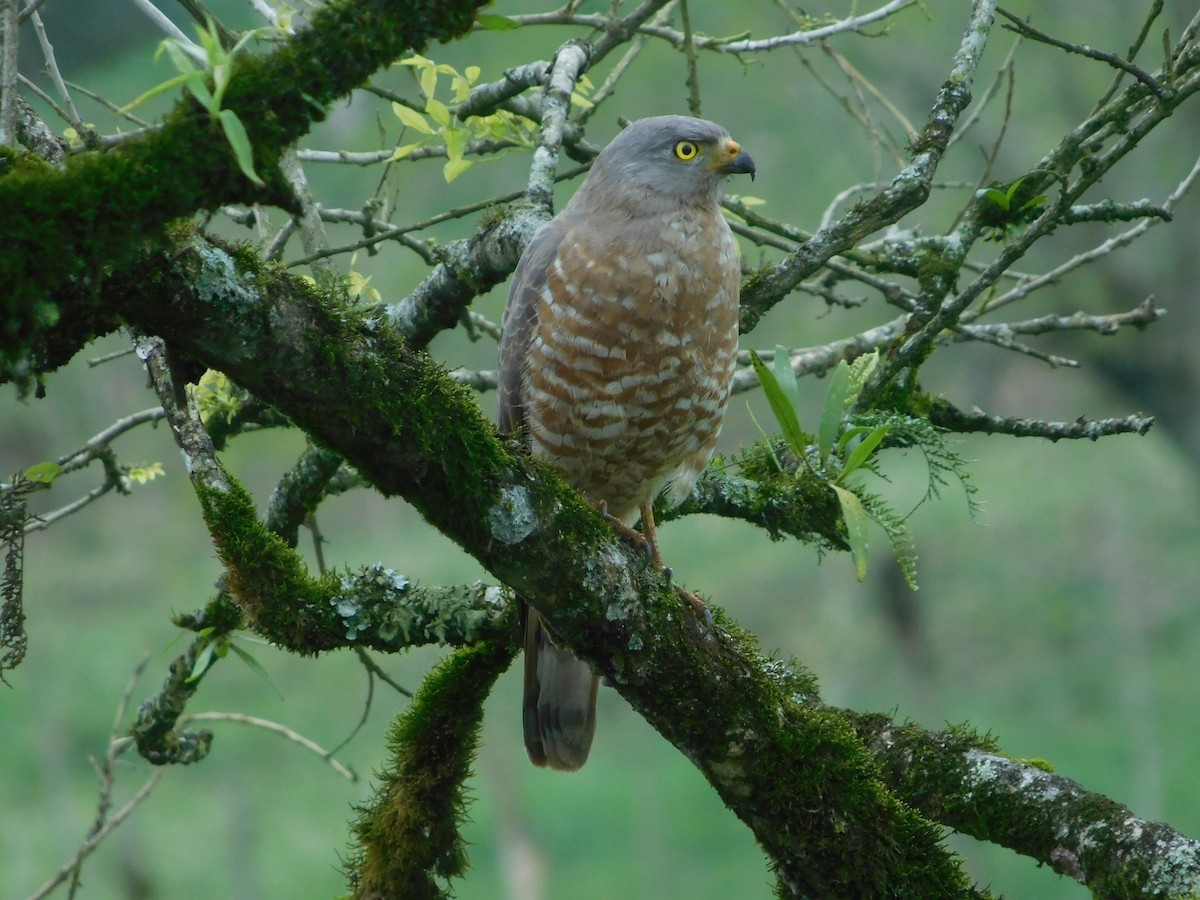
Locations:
(1131, 54)
(735, 45)
(692, 82)
(1133, 106)
(308, 221)
(570, 63)
(31, 6)
(36, 136)
(97, 447)
(1028, 284)
(56, 76)
(818, 360)
(104, 825)
(376, 671)
(945, 415)
(906, 191)
(276, 728)
(1146, 313)
(1024, 29)
(160, 19)
(9, 43)
(114, 821)
(636, 46)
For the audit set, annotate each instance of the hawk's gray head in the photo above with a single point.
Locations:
(673, 159)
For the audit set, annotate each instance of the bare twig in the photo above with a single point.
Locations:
(1024, 29)
(104, 825)
(733, 45)
(948, 416)
(55, 75)
(386, 232)
(172, 30)
(9, 42)
(97, 447)
(692, 82)
(1131, 54)
(113, 822)
(905, 192)
(31, 6)
(104, 101)
(274, 727)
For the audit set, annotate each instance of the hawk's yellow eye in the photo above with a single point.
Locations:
(686, 151)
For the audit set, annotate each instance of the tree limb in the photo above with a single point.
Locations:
(355, 387)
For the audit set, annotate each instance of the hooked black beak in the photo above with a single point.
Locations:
(736, 160)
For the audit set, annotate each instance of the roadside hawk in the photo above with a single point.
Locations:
(618, 349)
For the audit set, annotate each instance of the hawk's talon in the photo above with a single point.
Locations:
(669, 574)
(697, 604)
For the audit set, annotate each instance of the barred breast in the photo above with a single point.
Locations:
(628, 372)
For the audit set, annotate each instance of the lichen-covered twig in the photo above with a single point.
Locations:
(945, 415)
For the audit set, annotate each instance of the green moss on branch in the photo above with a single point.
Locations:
(408, 838)
(100, 209)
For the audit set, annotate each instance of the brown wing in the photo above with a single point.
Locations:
(520, 321)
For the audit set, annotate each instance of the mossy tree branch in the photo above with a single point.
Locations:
(359, 390)
(543, 541)
(961, 780)
(409, 844)
(98, 209)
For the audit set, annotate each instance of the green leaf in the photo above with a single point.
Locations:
(179, 57)
(255, 666)
(863, 451)
(209, 39)
(199, 89)
(460, 88)
(785, 374)
(998, 198)
(43, 472)
(168, 85)
(493, 22)
(850, 434)
(204, 659)
(785, 415)
(428, 80)
(857, 520)
(411, 118)
(146, 473)
(438, 111)
(401, 152)
(235, 133)
(766, 438)
(456, 142)
(456, 167)
(840, 384)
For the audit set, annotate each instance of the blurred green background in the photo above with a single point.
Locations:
(1064, 621)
